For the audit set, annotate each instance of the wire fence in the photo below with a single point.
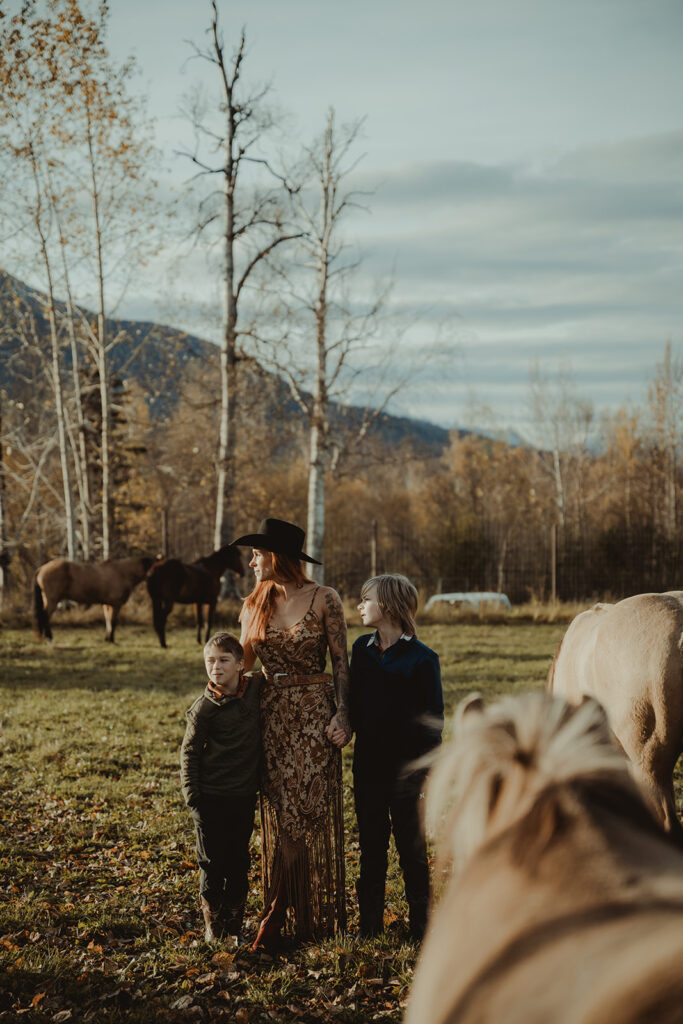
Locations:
(541, 565)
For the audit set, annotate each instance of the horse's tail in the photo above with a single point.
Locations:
(158, 617)
(152, 584)
(155, 590)
(40, 616)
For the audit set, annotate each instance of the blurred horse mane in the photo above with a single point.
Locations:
(563, 897)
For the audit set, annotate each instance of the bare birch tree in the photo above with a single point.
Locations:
(563, 423)
(105, 127)
(27, 107)
(332, 335)
(92, 169)
(249, 219)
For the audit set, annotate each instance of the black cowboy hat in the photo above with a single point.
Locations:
(279, 537)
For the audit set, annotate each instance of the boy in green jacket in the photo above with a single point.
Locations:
(219, 772)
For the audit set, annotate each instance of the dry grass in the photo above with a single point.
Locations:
(97, 871)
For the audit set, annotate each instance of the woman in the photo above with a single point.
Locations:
(289, 622)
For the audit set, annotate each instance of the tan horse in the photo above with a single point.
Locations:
(629, 656)
(106, 583)
(565, 903)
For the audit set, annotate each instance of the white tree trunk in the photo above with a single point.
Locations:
(102, 367)
(69, 517)
(225, 469)
(315, 527)
(105, 421)
(559, 487)
(80, 448)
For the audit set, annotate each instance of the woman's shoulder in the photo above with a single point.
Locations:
(327, 596)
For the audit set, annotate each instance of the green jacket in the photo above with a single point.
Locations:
(221, 750)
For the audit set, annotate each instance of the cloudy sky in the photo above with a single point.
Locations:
(527, 159)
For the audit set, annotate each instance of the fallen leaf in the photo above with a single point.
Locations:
(61, 1016)
(223, 961)
(183, 1003)
(242, 1015)
(38, 998)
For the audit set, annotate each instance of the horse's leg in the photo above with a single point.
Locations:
(108, 612)
(199, 619)
(160, 615)
(210, 612)
(110, 618)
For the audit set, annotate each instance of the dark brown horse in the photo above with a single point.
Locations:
(171, 581)
(106, 583)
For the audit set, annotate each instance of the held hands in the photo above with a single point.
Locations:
(339, 730)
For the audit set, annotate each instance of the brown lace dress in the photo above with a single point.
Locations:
(301, 791)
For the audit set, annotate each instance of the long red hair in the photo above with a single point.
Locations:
(261, 602)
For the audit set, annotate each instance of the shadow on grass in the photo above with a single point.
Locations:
(476, 655)
(80, 659)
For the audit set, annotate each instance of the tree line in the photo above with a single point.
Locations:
(596, 516)
(81, 204)
(88, 470)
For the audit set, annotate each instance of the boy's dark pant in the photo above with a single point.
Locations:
(223, 827)
(383, 806)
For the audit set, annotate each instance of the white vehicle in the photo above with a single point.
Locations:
(469, 601)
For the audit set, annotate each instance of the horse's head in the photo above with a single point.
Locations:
(231, 559)
(503, 757)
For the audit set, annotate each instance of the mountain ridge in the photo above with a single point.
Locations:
(152, 354)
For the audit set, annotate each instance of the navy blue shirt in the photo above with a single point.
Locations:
(396, 704)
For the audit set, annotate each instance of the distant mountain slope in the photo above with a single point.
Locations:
(158, 358)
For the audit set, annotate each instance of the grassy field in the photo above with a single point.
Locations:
(99, 917)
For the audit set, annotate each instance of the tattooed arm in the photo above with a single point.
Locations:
(339, 730)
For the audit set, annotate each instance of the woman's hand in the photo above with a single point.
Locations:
(339, 730)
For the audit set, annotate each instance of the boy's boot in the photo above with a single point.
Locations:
(417, 918)
(210, 921)
(231, 919)
(370, 908)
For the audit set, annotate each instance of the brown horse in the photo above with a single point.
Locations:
(106, 583)
(171, 581)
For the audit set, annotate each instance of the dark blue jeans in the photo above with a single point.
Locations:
(223, 827)
(383, 807)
